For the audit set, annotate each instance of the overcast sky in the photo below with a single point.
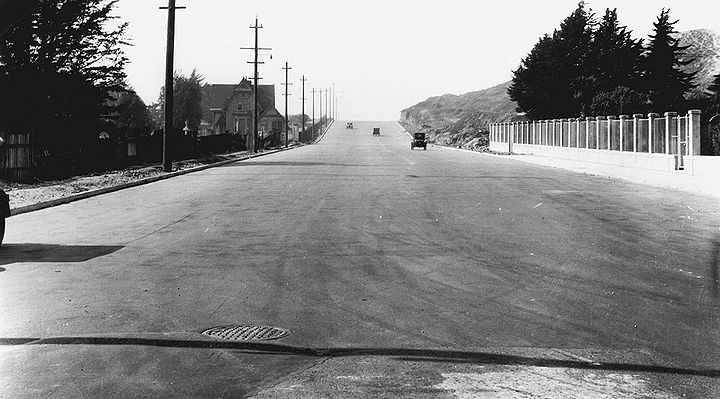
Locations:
(383, 56)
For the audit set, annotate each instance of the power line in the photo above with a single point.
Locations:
(255, 78)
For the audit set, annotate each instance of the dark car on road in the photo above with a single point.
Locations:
(349, 125)
(376, 131)
(418, 141)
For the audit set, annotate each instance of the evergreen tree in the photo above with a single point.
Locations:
(132, 116)
(58, 65)
(664, 81)
(555, 79)
(187, 102)
(532, 84)
(616, 56)
(714, 87)
(575, 38)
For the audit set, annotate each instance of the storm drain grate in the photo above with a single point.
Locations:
(247, 333)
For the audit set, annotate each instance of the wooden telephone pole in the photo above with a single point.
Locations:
(286, 68)
(256, 78)
(302, 114)
(169, 56)
(313, 113)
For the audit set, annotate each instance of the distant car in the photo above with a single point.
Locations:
(418, 141)
(349, 125)
(376, 131)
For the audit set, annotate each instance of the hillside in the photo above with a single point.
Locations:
(705, 50)
(458, 120)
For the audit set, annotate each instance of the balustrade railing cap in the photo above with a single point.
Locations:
(638, 115)
(563, 120)
(695, 112)
(589, 118)
(671, 113)
(653, 115)
(600, 118)
(612, 117)
(623, 116)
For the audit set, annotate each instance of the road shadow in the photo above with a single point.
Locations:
(52, 253)
(402, 354)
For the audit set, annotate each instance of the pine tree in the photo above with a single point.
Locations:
(664, 80)
(187, 101)
(575, 38)
(554, 80)
(615, 55)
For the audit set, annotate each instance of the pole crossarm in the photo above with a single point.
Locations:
(256, 48)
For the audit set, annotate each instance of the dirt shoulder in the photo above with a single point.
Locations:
(25, 194)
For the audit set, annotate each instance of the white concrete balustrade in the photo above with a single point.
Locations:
(656, 142)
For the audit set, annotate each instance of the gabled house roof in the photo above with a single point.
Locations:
(216, 96)
(270, 112)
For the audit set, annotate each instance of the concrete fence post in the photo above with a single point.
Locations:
(693, 133)
(527, 132)
(636, 126)
(588, 120)
(668, 119)
(563, 132)
(623, 118)
(577, 132)
(651, 132)
(610, 119)
(532, 132)
(598, 132)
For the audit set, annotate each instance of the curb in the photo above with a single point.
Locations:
(105, 190)
(317, 140)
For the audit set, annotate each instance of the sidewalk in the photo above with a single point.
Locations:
(678, 180)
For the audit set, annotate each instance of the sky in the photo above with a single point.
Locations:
(381, 56)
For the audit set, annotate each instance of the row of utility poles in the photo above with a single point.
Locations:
(330, 104)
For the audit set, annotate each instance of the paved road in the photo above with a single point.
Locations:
(398, 272)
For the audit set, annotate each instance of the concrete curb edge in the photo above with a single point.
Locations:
(147, 180)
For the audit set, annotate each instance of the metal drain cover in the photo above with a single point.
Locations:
(246, 333)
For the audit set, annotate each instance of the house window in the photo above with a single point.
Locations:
(240, 106)
(237, 125)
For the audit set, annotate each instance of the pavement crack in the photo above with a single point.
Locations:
(162, 228)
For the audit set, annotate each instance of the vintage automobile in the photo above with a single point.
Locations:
(376, 131)
(418, 141)
(349, 125)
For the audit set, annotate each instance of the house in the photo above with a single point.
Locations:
(228, 109)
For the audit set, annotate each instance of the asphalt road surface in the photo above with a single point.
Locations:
(438, 273)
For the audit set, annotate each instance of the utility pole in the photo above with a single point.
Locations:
(286, 68)
(256, 78)
(169, 56)
(332, 102)
(327, 91)
(302, 114)
(313, 114)
(321, 114)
